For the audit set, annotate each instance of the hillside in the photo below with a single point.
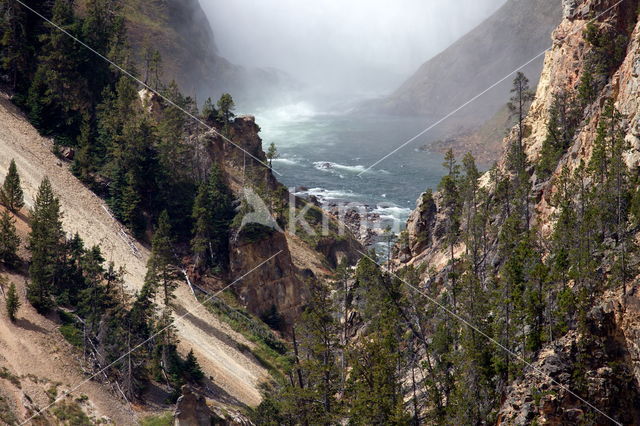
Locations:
(587, 369)
(510, 37)
(180, 31)
(225, 355)
(215, 343)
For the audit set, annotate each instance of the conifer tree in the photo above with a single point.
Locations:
(161, 260)
(12, 302)
(127, 199)
(9, 240)
(11, 194)
(587, 88)
(470, 402)
(166, 351)
(517, 158)
(374, 389)
(191, 368)
(226, 107)
(562, 124)
(449, 187)
(209, 112)
(84, 161)
(15, 49)
(212, 214)
(102, 29)
(117, 108)
(58, 92)
(272, 153)
(319, 347)
(171, 151)
(45, 244)
(474, 226)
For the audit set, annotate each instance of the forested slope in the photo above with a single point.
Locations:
(512, 296)
(548, 236)
(135, 211)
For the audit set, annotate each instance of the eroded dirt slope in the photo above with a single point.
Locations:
(236, 373)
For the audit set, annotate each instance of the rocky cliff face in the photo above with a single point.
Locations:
(602, 363)
(607, 355)
(283, 284)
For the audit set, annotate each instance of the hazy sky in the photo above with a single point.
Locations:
(357, 45)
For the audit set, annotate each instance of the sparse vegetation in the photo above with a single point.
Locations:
(165, 419)
(270, 351)
(70, 330)
(7, 375)
(70, 413)
(6, 413)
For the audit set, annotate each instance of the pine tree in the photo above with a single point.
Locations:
(191, 368)
(225, 108)
(212, 214)
(474, 226)
(129, 207)
(11, 193)
(471, 399)
(84, 161)
(58, 92)
(175, 181)
(103, 30)
(587, 88)
(117, 108)
(272, 154)
(162, 257)
(564, 234)
(45, 244)
(319, 348)
(9, 240)
(172, 152)
(561, 127)
(517, 158)
(209, 112)
(449, 187)
(15, 49)
(12, 302)
(374, 388)
(166, 351)
(152, 67)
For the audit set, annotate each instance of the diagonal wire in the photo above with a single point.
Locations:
(492, 340)
(473, 99)
(73, 389)
(142, 83)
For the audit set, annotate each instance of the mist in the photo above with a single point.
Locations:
(332, 47)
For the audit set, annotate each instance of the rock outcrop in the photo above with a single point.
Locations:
(192, 410)
(597, 362)
(603, 361)
(283, 283)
